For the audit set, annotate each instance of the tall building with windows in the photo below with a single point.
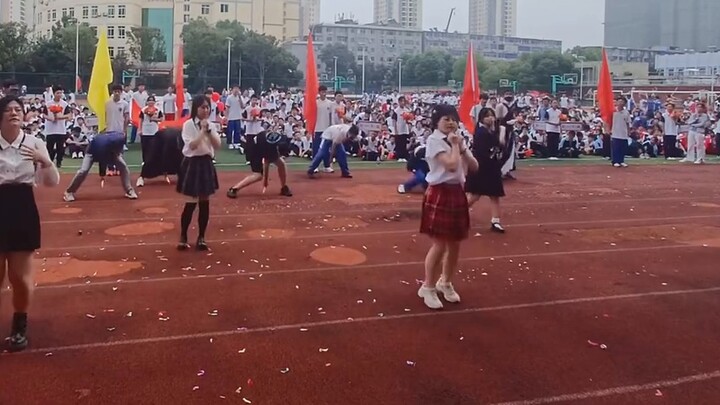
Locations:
(407, 13)
(16, 11)
(681, 24)
(493, 17)
(309, 15)
(279, 18)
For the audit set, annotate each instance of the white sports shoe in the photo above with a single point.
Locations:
(448, 291)
(401, 189)
(140, 182)
(430, 297)
(131, 195)
(329, 170)
(68, 197)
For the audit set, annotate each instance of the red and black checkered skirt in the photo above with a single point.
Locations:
(445, 212)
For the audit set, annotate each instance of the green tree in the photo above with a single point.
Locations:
(591, 54)
(14, 46)
(375, 77)
(345, 59)
(147, 45)
(429, 68)
(204, 53)
(535, 70)
(458, 73)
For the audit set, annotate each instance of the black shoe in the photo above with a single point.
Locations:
(347, 176)
(496, 227)
(232, 193)
(201, 245)
(18, 337)
(285, 191)
(183, 245)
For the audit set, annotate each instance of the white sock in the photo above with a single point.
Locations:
(495, 221)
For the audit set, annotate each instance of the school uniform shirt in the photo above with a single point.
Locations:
(336, 133)
(149, 127)
(252, 127)
(335, 117)
(671, 126)
(437, 143)
(621, 122)
(234, 107)
(57, 127)
(325, 110)
(402, 125)
(190, 132)
(116, 113)
(14, 169)
(168, 103)
(553, 122)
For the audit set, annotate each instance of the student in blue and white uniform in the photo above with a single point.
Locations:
(24, 162)
(332, 142)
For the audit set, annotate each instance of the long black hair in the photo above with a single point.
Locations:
(197, 102)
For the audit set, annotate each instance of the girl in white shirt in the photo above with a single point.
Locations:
(445, 211)
(197, 177)
(24, 161)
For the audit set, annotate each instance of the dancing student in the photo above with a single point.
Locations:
(106, 149)
(445, 211)
(506, 111)
(25, 161)
(333, 139)
(417, 165)
(262, 154)
(487, 181)
(197, 177)
(150, 119)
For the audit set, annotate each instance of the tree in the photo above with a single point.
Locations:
(147, 45)
(458, 73)
(429, 68)
(204, 53)
(346, 62)
(534, 71)
(14, 46)
(591, 54)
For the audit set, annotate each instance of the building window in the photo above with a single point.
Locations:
(186, 8)
(121, 11)
(94, 30)
(94, 11)
(121, 32)
(110, 32)
(39, 16)
(64, 12)
(71, 12)
(54, 15)
(48, 16)
(224, 8)
(120, 51)
(85, 12)
(111, 51)
(186, 18)
(205, 9)
(111, 11)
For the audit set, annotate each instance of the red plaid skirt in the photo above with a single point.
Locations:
(445, 212)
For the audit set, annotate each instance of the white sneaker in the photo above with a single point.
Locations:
(624, 164)
(699, 162)
(329, 170)
(686, 160)
(616, 164)
(430, 297)
(131, 195)
(74, 155)
(140, 182)
(401, 189)
(552, 158)
(448, 291)
(402, 160)
(68, 197)
(316, 171)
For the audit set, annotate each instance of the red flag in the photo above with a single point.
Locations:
(179, 83)
(135, 116)
(605, 92)
(471, 91)
(78, 84)
(311, 88)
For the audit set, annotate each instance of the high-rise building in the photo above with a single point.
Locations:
(662, 23)
(16, 11)
(493, 17)
(407, 13)
(279, 18)
(309, 15)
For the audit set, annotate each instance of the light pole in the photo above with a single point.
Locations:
(335, 82)
(77, 52)
(399, 75)
(229, 41)
(363, 67)
(582, 73)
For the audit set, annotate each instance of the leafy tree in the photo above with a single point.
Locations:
(429, 68)
(375, 77)
(591, 54)
(14, 46)
(345, 63)
(147, 45)
(204, 53)
(535, 70)
(458, 73)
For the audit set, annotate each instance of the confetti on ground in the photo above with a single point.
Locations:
(214, 312)
(201, 373)
(247, 401)
(91, 316)
(241, 351)
(238, 390)
(658, 393)
(285, 370)
(410, 363)
(195, 388)
(321, 350)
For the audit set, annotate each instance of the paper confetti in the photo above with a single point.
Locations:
(195, 388)
(321, 350)
(214, 312)
(285, 370)
(410, 363)
(241, 351)
(201, 373)
(91, 316)
(247, 401)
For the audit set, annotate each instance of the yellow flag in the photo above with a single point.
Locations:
(100, 79)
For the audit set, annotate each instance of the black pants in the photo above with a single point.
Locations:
(669, 148)
(401, 142)
(717, 144)
(56, 148)
(553, 142)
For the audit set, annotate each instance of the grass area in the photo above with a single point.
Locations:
(230, 160)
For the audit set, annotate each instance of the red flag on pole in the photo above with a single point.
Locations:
(471, 91)
(605, 96)
(179, 83)
(311, 88)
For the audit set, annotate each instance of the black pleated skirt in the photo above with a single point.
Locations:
(197, 177)
(19, 219)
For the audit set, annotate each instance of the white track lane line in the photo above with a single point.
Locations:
(338, 322)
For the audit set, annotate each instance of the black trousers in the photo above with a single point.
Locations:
(401, 141)
(56, 148)
(553, 142)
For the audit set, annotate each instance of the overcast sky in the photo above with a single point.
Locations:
(574, 22)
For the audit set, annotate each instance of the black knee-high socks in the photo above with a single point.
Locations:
(185, 219)
(203, 218)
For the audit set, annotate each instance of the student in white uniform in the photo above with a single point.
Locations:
(699, 123)
(325, 109)
(24, 161)
(332, 143)
(57, 113)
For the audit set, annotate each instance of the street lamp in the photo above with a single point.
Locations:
(399, 75)
(229, 42)
(335, 77)
(582, 72)
(362, 49)
(77, 52)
